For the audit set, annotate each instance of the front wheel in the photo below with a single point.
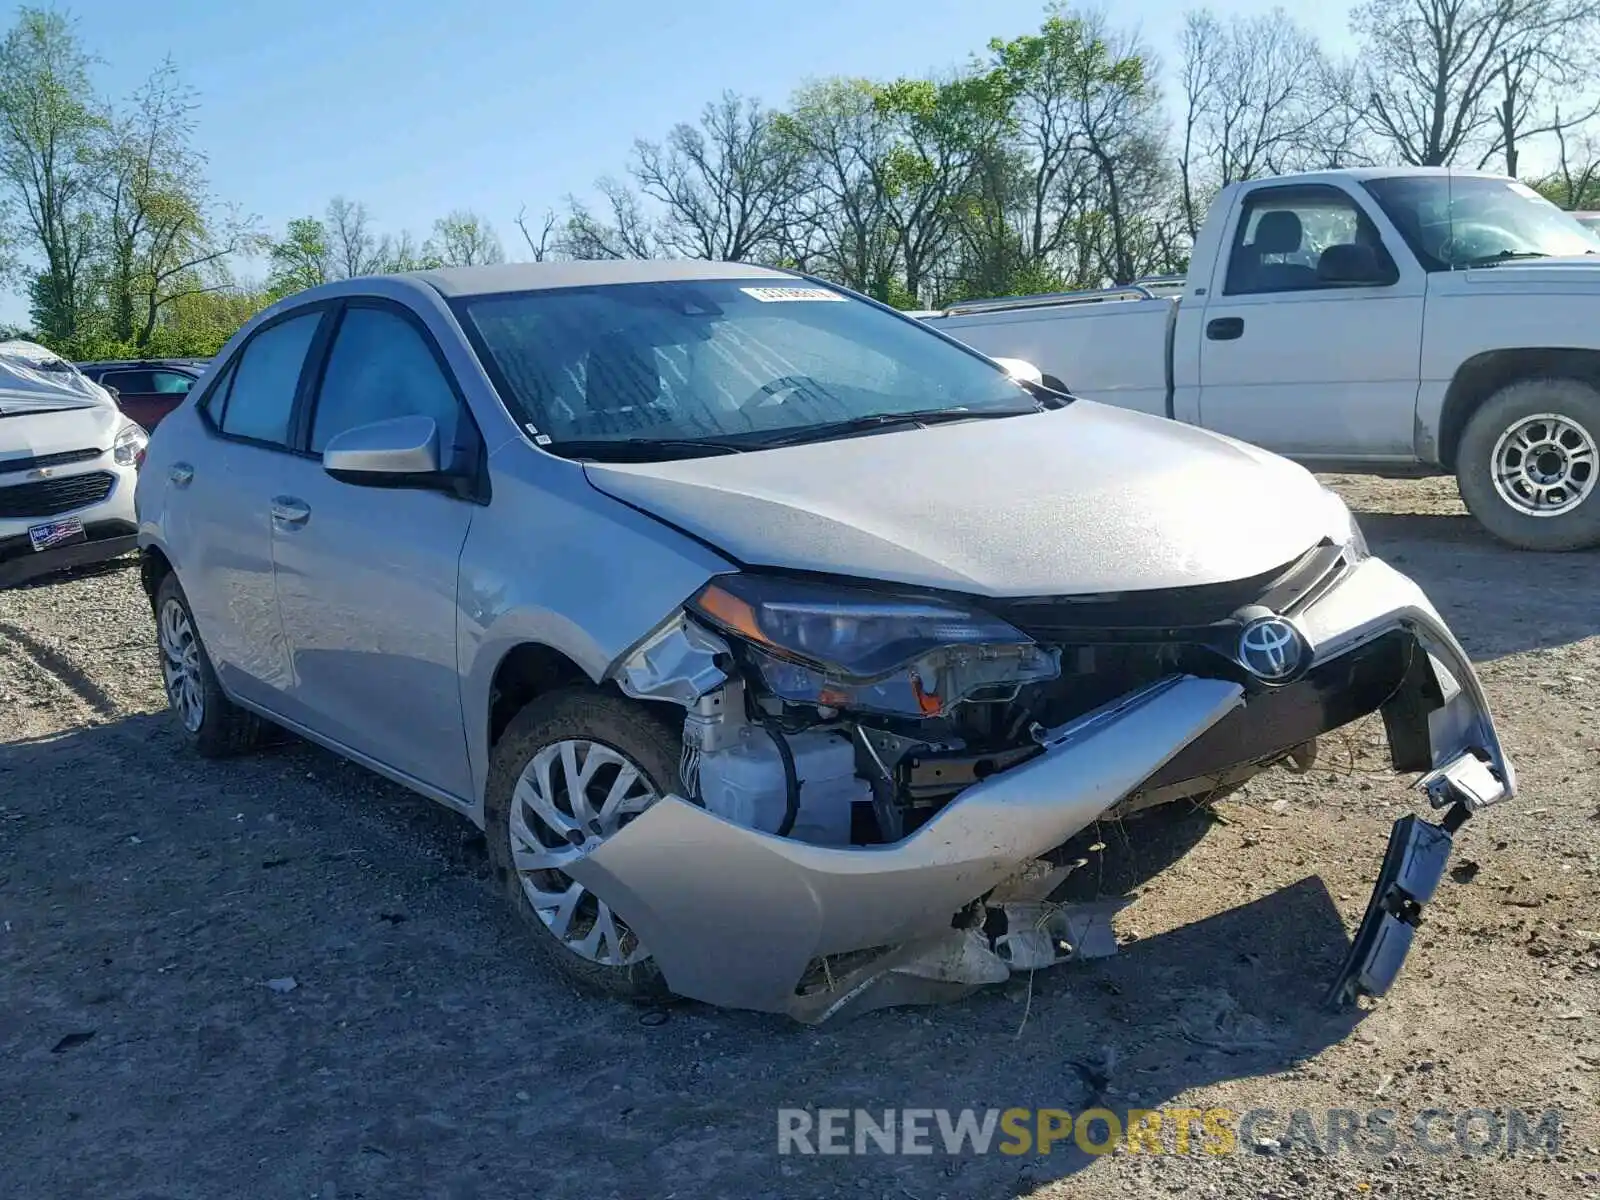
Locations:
(1528, 463)
(572, 769)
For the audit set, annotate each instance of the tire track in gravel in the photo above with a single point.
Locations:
(55, 666)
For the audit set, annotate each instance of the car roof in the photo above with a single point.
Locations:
(142, 362)
(502, 278)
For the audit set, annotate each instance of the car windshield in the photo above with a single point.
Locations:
(677, 368)
(1453, 221)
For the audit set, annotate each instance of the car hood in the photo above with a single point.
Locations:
(1563, 272)
(1079, 500)
(36, 431)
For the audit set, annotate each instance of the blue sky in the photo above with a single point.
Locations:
(417, 107)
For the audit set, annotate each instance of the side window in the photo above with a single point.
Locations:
(135, 383)
(261, 399)
(216, 396)
(1283, 234)
(380, 367)
(170, 383)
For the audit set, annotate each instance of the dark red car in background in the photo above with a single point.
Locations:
(147, 389)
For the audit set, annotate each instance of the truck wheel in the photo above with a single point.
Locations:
(1529, 464)
(573, 768)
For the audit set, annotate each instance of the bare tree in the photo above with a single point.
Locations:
(352, 245)
(464, 239)
(1575, 183)
(726, 186)
(1436, 69)
(840, 216)
(1258, 100)
(628, 234)
(1535, 76)
(543, 246)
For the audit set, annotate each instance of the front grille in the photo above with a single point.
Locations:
(48, 497)
(1169, 614)
(15, 466)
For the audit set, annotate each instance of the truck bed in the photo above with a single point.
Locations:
(1113, 346)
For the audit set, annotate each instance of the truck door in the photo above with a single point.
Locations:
(1306, 353)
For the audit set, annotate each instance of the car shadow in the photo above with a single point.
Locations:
(1497, 599)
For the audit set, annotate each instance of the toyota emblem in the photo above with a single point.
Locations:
(1272, 649)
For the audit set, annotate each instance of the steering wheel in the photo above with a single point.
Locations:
(776, 392)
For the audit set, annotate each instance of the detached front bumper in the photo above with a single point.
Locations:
(746, 919)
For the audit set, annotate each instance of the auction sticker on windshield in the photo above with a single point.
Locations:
(56, 533)
(775, 295)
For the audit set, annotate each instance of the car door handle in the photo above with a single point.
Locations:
(181, 474)
(1225, 329)
(286, 510)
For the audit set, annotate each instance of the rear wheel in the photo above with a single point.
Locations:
(572, 769)
(1529, 464)
(211, 723)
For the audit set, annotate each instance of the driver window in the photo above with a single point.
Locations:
(1282, 234)
(380, 367)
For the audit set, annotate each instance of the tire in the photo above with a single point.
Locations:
(612, 727)
(1490, 445)
(217, 727)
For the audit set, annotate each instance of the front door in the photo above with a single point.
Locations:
(367, 576)
(1304, 367)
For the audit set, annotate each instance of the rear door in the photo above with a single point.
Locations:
(219, 502)
(1301, 366)
(366, 576)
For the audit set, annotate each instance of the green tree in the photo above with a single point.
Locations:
(300, 259)
(464, 239)
(50, 124)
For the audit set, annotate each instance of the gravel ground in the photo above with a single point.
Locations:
(155, 908)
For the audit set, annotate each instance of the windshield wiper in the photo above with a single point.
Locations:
(1489, 260)
(640, 449)
(854, 425)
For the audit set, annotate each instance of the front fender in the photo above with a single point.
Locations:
(554, 562)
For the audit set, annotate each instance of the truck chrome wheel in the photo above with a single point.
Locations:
(1544, 465)
(180, 666)
(571, 796)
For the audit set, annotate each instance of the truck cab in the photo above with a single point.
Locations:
(1385, 320)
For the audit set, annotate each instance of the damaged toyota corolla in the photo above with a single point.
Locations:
(778, 642)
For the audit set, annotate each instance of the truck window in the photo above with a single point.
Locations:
(1282, 234)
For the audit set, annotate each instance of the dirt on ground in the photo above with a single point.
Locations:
(280, 976)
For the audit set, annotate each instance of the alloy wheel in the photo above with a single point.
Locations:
(180, 665)
(1544, 465)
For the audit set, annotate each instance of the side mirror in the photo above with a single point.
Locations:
(1020, 368)
(399, 452)
(1349, 262)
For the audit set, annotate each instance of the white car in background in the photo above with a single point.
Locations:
(69, 460)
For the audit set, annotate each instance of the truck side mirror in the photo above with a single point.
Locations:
(1351, 263)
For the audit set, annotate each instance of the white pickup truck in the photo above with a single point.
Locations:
(1395, 321)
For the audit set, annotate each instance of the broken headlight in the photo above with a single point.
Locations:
(840, 647)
